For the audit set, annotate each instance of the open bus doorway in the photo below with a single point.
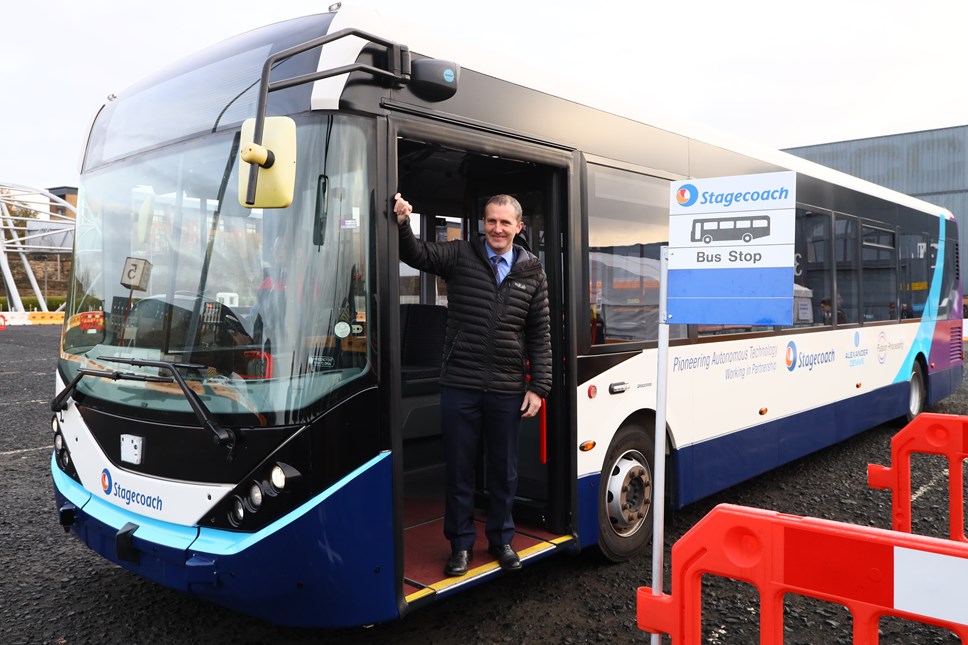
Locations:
(449, 188)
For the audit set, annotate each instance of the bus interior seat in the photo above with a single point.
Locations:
(422, 330)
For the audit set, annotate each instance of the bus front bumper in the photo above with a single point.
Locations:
(330, 563)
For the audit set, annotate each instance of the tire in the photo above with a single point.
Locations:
(917, 392)
(625, 494)
(707, 239)
(747, 237)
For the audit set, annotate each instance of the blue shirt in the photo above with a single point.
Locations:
(503, 262)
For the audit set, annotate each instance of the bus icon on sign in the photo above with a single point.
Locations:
(728, 229)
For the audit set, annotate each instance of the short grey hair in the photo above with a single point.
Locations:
(506, 200)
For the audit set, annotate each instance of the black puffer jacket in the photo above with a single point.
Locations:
(491, 329)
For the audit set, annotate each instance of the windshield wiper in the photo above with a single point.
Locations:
(223, 436)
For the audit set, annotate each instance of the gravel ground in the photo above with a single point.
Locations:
(54, 590)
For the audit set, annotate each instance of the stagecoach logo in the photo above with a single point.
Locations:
(791, 356)
(127, 495)
(796, 359)
(106, 481)
(687, 195)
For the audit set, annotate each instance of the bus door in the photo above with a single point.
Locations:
(448, 185)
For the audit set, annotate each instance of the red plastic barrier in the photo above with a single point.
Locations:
(873, 572)
(935, 434)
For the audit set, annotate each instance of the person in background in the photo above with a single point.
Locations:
(497, 324)
(828, 313)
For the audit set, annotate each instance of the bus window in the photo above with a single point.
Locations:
(949, 282)
(812, 270)
(417, 287)
(879, 259)
(916, 264)
(847, 269)
(628, 223)
(410, 277)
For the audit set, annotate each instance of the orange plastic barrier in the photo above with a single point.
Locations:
(936, 434)
(873, 572)
(45, 318)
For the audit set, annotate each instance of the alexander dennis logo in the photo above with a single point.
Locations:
(687, 195)
(791, 356)
(106, 481)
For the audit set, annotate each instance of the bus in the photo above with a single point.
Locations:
(724, 229)
(247, 396)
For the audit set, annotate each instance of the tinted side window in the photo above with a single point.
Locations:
(847, 309)
(628, 222)
(812, 272)
(917, 261)
(879, 258)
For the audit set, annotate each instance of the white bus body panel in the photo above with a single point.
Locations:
(723, 387)
(168, 501)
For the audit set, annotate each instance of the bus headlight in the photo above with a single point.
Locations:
(282, 475)
(58, 442)
(277, 477)
(54, 425)
(255, 496)
(237, 514)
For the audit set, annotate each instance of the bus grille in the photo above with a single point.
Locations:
(956, 348)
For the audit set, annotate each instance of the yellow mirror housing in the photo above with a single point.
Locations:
(276, 158)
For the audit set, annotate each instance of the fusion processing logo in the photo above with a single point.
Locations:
(791, 356)
(106, 481)
(687, 195)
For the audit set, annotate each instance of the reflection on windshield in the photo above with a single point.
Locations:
(269, 307)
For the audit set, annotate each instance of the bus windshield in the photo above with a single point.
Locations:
(266, 307)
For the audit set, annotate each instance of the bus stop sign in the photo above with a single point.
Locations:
(731, 257)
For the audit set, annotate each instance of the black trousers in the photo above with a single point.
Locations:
(467, 416)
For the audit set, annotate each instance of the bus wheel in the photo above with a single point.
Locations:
(707, 239)
(747, 237)
(625, 495)
(917, 392)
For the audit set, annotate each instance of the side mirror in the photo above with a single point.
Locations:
(276, 159)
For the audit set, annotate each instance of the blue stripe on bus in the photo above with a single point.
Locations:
(219, 542)
(70, 489)
(336, 552)
(711, 466)
(929, 317)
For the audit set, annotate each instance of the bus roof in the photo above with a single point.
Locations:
(493, 63)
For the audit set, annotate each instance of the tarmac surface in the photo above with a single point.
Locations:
(54, 590)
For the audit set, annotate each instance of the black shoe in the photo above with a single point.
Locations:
(457, 562)
(506, 556)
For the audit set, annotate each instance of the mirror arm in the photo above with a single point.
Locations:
(399, 64)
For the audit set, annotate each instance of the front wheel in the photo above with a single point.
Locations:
(918, 394)
(625, 494)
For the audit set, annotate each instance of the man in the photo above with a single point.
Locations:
(828, 314)
(497, 325)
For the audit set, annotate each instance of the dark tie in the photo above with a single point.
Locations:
(494, 261)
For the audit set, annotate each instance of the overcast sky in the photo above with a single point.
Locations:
(778, 73)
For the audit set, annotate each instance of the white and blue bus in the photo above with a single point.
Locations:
(247, 392)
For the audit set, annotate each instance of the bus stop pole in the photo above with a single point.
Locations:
(658, 474)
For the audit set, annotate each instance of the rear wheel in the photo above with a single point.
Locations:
(625, 494)
(918, 394)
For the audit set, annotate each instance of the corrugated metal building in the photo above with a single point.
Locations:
(931, 165)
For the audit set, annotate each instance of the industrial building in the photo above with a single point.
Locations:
(931, 165)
